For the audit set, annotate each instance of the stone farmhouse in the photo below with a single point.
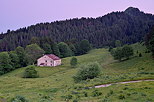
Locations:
(50, 60)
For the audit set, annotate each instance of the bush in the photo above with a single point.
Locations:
(88, 71)
(122, 52)
(105, 100)
(140, 55)
(85, 94)
(30, 72)
(122, 96)
(110, 48)
(19, 99)
(73, 62)
(75, 100)
(127, 51)
(117, 53)
(95, 93)
(68, 97)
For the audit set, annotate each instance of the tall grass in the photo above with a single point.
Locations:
(56, 83)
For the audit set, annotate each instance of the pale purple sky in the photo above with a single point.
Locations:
(16, 14)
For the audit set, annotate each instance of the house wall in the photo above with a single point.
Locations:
(46, 60)
(57, 62)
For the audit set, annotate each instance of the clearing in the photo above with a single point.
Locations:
(56, 83)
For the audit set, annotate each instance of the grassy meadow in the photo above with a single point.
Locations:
(56, 84)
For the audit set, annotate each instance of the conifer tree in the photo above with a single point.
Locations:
(72, 47)
(64, 49)
(150, 41)
(33, 52)
(85, 46)
(5, 63)
(14, 59)
(73, 62)
(55, 49)
(22, 56)
(127, 51)
(47, 48)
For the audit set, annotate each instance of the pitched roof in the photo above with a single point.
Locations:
(52, 56)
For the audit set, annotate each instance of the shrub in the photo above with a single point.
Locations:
(122, 52)
(143, 94)
(121, 96)
(95, 93)
(74, 92)
(110, 48)
(19, 99)
(46, 97)
(140, 55)
(85, 94)
(88, 71)
(73, 62)
(111, 92)
(105, 100)
(30, 72)
(117, 53)
(68, 97)
(126, 88)
(53, 90)
(127, 51)
(128, 94)
(150, 41)
(75, 100)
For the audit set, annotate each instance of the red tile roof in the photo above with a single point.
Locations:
(54, 57)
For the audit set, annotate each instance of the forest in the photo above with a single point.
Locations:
(129, 26)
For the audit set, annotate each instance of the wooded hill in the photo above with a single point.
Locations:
(129, 26)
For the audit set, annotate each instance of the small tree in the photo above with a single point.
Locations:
(47, 48)
(72, 47)
(127, 51)
(140, 55)
(88, 71)
(5, 63)
(14, 59)
(64, 49)
(35, 40)
(55, 49)
(33, 52)
(117, 54)
(73, 62)
(22, 56)
(150, 41)
(118, 43)
(19, 99)
(110, 48)
(85, 46)
(30, 72)
(122, 52)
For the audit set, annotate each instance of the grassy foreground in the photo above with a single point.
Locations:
(56, 83)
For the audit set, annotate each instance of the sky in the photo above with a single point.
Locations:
(15, 14)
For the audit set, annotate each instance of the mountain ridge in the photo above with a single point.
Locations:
(129, 26)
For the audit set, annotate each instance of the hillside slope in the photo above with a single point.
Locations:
(129, 26)
(56, 84)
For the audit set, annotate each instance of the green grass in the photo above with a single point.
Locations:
(56, 83)
(132, 92)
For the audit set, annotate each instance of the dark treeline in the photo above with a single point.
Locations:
(129, 27)
(62, 49)
(149, 41)
(22, 57)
